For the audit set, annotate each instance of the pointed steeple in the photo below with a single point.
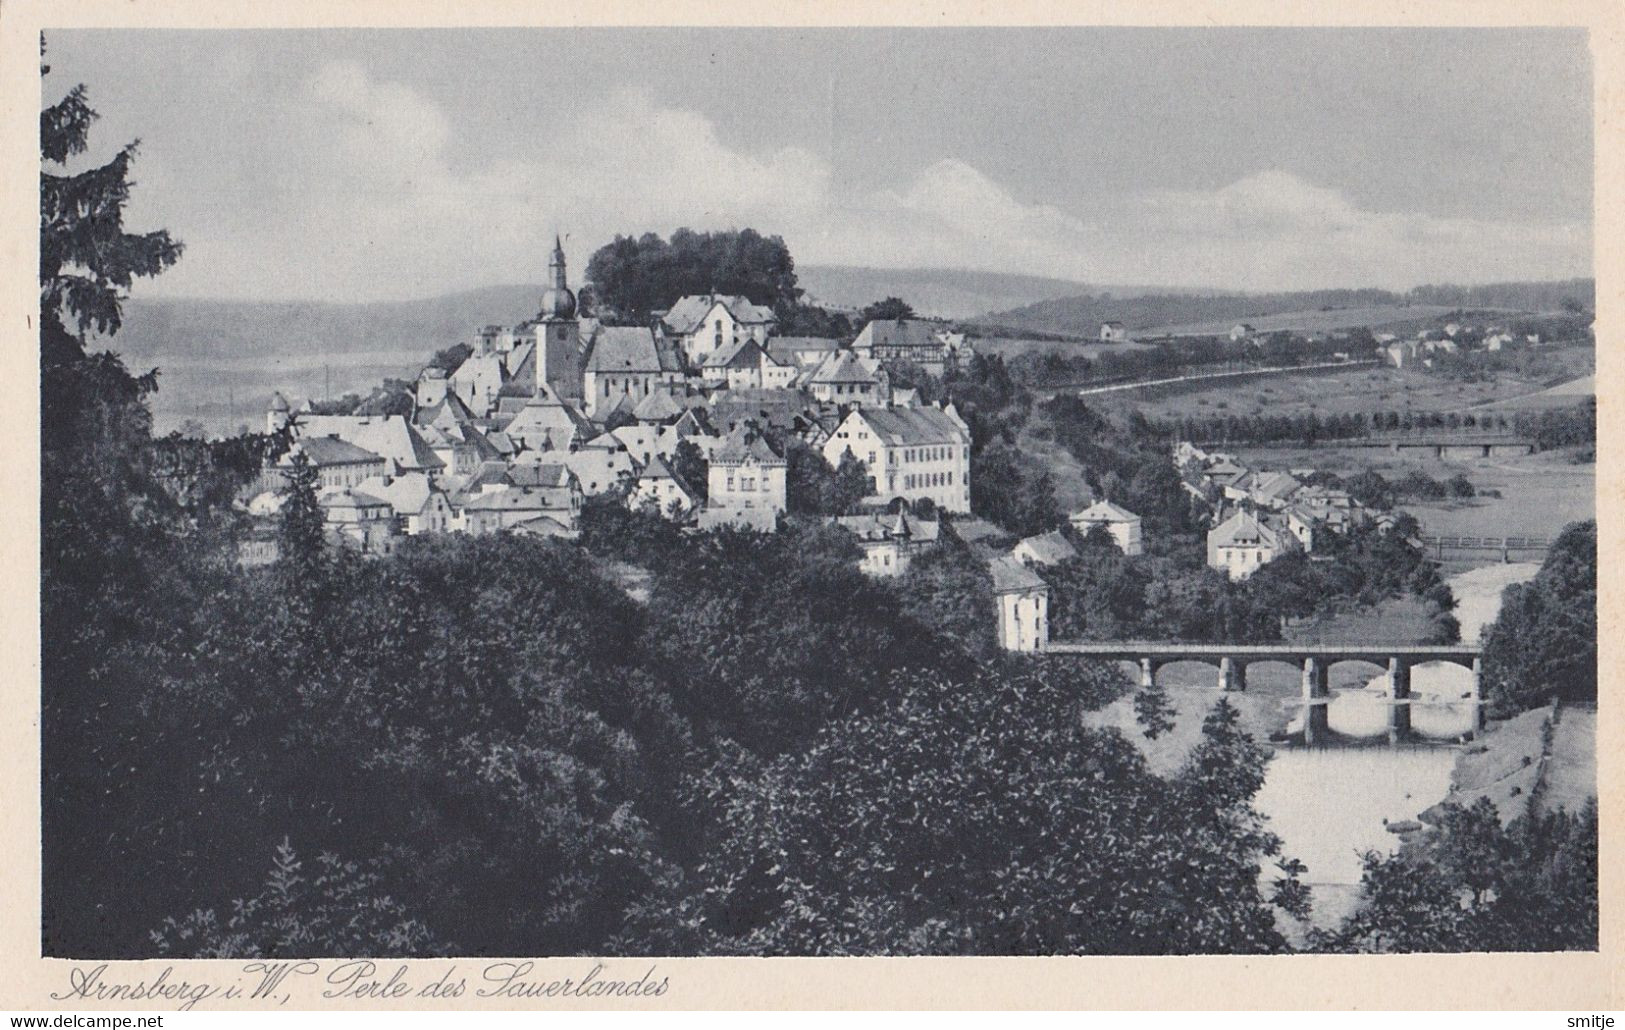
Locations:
(556, 265)
(558, 303)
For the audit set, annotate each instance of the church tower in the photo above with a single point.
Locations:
(558, 333)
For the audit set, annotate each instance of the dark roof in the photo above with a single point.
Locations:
(912, 427)
(549, 474)
(330, 450)
(1049, 548)
(746, 353)
(620, 348)
(657, 407)
(900, 332)
(877, 526)
(1010, 576)
(743, 445)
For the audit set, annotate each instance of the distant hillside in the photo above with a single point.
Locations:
(1172, 310)
(207, 331)
(946, 293)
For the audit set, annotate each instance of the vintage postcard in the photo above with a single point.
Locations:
(553, 507)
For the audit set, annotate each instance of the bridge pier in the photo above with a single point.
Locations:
(1316, 696)
(1232, 674)
(1399, 701)
(1148, 674)
(1478, 700)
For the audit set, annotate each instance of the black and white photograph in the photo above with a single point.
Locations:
(873, 491)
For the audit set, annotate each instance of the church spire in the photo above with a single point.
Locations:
(556, 266)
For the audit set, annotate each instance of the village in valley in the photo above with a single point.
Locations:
(689, 417)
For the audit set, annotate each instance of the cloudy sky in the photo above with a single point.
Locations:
(365, 165)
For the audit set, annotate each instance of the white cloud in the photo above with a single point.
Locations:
(355, 189)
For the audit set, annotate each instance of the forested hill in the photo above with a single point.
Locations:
(191, 328)
(1084, 313)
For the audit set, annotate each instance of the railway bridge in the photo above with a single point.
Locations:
(1316, 661)
(1441, 444)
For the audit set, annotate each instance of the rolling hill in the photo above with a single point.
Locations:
(1177, 311)
(946, 293)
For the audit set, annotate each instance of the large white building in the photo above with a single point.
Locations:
(911, 453)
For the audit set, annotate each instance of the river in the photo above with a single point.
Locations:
(1331, 804)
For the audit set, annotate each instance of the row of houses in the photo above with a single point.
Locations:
(1261, 515)
(1453, 338)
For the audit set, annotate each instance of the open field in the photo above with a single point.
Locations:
(1562, 395)
(1310, 321)
(1009, 347)
(1363, 389)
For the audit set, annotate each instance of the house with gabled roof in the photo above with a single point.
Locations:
(547, 423)
(745, 480)
(744, 365)
(1044, 549)
(1122, 524)
(642, 442)
(1244, 543)
(418, 505)
(496, 510)
(658, 408)
(391, 436)
(357, 519)
(478, 382)
(922, 342)
(700, 324)
(846, 378)
(912, 453)
(338, 463)
(601, 465)
(801, 352)
(663, 489)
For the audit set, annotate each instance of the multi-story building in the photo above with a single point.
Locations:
(920, 341)
(844, 378)
(1244, 543)
(703, 323)
(745, 482)
(1023, 605)
(912, 453)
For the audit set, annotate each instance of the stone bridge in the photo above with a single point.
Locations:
(1316, 660)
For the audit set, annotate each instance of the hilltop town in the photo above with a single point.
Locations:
(697, 415)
